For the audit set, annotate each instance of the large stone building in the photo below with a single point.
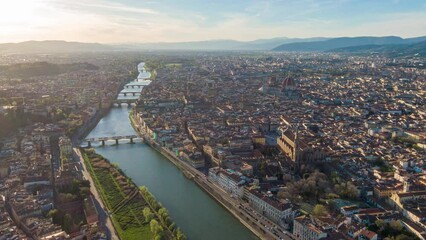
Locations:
(297, 149)
(279, 212)
(65, 146)
(284, 88)
(231, 181)
(305, 229)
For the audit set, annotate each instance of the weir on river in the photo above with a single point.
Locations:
(192, 209)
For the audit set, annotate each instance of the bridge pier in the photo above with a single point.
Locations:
(103, 140)
(134, 94)
(125, 94)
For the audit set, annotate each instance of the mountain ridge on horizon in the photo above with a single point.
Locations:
(343, 42)
(33, 46)
(392, 50)
(51, 46)
(316, 44)
(222, 44)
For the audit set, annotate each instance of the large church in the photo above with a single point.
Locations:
(282, 88)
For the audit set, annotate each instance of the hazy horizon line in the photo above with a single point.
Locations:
(209, 40)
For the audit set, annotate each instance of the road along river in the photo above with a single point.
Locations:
(192, 209)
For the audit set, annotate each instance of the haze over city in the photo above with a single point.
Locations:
(213, 120)
(124, 21)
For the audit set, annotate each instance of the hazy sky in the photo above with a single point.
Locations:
(118, 21)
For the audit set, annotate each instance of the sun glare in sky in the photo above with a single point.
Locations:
(188, 20)
(19, 11)
(18, 17)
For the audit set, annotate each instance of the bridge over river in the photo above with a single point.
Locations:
(104, 139)
(128, 101)
(134, 93)
(192, 209)
(137, 84)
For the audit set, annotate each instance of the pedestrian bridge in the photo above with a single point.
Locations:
(104, 139)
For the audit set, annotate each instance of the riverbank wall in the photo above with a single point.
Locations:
(89, 125)
(188, 171)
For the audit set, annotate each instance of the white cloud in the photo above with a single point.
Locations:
(102, 6)
(104, 21)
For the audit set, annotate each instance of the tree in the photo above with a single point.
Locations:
(66, 197)
(396, 225)
(172, 226)
(335, 177)
(305, 175)
(84, 192)
(143, 189)
(67, 223)
(312, 187)
(320, 210)
(380, 223)
(147, 214)
(163, 214)
(332, 196)
(180, 235)
(156, 229)
(153, 224)
(54, 214)
(347, 190)
(155, 204)
(262, 167)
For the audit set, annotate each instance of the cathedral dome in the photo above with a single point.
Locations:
(288, 84)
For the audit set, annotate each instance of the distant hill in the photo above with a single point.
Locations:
(395, 50)
(336, 43)
(52, 47)
(260, 44)
(277, 44)
(21, 70)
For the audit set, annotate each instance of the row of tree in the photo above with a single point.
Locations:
(166, 223)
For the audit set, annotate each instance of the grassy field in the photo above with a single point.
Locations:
(128, 220)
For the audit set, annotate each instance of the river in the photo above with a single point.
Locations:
(193, 210)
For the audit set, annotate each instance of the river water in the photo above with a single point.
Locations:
(193, 210)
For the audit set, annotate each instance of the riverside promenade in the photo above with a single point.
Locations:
(262, 228)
